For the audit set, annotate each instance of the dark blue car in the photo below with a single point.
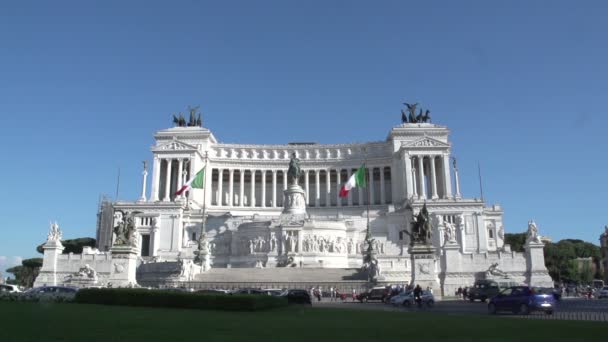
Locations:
(522, 300)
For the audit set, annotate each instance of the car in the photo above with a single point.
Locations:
(376, 293)
(522, 300)
(213, 291)
(273, 292)
(426, 298)
(51, 291)
(399, 298)
(603, 293)
(249, 291)
(484, 289)
(296, 296)
(9, 288)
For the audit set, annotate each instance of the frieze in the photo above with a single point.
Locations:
(174, 145)
(270, 165)
(423, 256)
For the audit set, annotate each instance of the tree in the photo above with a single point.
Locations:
(27, 272)
(516, 240)
(563, 266)
(72, 246)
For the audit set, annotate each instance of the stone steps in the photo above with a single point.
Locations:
(279, 274)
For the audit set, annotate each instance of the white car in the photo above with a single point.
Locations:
(400, 298)
(407, 299)
(603, 293)
(9, 288)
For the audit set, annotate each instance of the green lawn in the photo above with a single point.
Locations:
(80, 322)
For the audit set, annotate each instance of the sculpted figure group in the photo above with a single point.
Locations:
(422, 117)
(124, 229)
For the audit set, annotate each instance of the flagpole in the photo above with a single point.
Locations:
(204, 198)
(480, 183)
(367, 232)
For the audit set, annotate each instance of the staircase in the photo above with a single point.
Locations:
(344, 279)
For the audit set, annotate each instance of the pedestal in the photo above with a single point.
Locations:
(48, 272)
(124, 264)
(452, 266)
(294, 202)
(536, 271)
(424, 268)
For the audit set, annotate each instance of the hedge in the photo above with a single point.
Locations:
(185, 300)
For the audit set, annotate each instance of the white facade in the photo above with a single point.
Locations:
(243, 202)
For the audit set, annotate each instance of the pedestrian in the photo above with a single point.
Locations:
(354, 295)
(465, 292)
(417, 293)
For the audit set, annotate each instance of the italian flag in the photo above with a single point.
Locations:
(357, 180)
(197, 182)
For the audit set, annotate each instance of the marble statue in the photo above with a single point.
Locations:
(450, 232)
(605, 234)
(54, 233)
(532, 232)
(495, 271)
(124, 230)
(84, 274)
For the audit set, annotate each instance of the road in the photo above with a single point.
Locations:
(568, 309)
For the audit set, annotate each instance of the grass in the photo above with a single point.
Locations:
(83, 322)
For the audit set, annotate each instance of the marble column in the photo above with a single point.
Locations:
(433, 178)
(252, 189)
(242, 187)
(372, 200)
(318, 188)
(220, 186)
(409, 181)
(284, 179)
(350, 193)
(382, 187)
(328, 188)
(155, 179)
(168, 181)
(307, 187)
(274, 188)
(447, 182)
(338, 186)
(421, 177)
(414, 183)
(456, 178)
(144, 174)
(231, 187)
(263, 188)
(180, 179)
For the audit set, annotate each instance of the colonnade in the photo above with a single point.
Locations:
(427, 176)
(264, 187)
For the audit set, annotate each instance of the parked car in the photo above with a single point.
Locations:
(522, 300)
(249, 291)
(295, 296)
(603, 293)
(51, 291)
(377, 293)
(213, 291)
(9, 288)
(273, 292)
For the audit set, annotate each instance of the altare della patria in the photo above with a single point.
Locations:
(221, 215)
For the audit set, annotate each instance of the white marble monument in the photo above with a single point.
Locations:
(260, 215)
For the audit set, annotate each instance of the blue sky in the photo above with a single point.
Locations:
(85, 84)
